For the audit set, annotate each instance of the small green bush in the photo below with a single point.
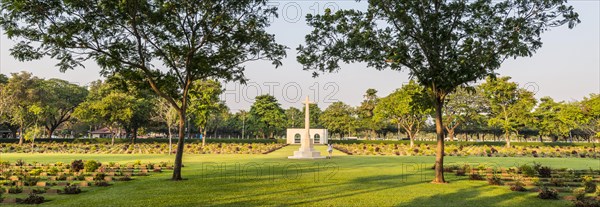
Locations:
(30, 181)
(546, 193)
(588, 184)
(101, 183)
(15, 190)
(558, 182)
(53, 171)
(91, 165)
(99, 176)
(77, 165)
(475, 176)
(518, 186)
(545, 172)
(579, 193)
(36, 172)
(587, 203)
(32, 199)
(536, 181)
(71, 189)
(527, 170)
(494, 180)
(124, 178)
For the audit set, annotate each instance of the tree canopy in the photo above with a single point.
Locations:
(266, 116)
(510, 106)
(408, 107)
(443, 44)
(168, 44)
(338, 118)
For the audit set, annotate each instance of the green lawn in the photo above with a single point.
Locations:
(256, 180)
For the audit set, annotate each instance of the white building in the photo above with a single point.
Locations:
(317, 136)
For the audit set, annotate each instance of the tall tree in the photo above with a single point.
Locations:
(266, 116)
(165, 113)
(59, 101)
(142, 104)
(21, 101)
(461, 107)
(294, 117)
(365, 113)
(170, 43)
(408, 107)
(591, 112)
(204, 103)
(217, 119)
(338, 118)
(443, 43)
(510, 105)
(116, 106)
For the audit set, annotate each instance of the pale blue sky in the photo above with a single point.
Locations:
(567, 67)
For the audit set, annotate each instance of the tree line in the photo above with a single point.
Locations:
(36, 107)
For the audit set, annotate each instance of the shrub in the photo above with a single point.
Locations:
(30, 181)
(536, 181)
(598, 191)
(77, 165)
(20, 162)
(38, 190)
(475, 176)
(71, 189)
(545, 193)
(125, 178)
(587, 203)
(32, 199)
(588, 184)
(460, 172)
(99, 176)
(557, 181)
(35, 172)
(579, 193)
(101, 183)
(15, 190)
(545, 172)
(518, 186)
(53, 171)
(494, 180)
(91, 165)
(527, 170)
(450, 168)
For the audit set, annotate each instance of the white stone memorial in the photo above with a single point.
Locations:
(306, 150)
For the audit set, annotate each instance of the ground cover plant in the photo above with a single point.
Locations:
(470, 150)
(140, 148)
(37, 180)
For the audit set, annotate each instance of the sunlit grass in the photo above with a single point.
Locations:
(256, 180)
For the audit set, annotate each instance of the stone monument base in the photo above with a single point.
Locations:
(306, 154)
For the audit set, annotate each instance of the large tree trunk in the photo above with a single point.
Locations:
(507, 138)
(180, 142)
(412, 139)
(170, 139)
(21, 135)
(451, 134)
(439, 129)
(399, 135)
(134, 135)
(203, 131)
